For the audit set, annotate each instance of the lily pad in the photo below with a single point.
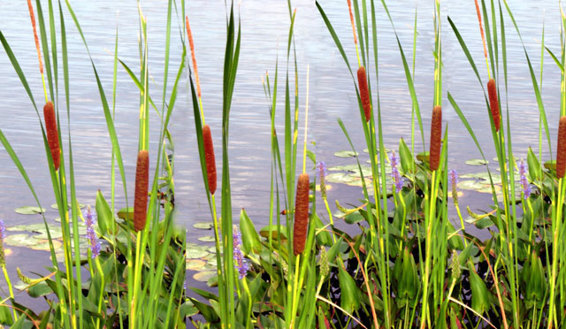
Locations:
(471, 185)
(27, 228)
(19, 240)
(206, 239)
(204, 276)
(203, 226)
(126, 213)
(44, 245)
(56, 206)
(346, 154)
(193, 253)
(195, 264)
(274, 231)
(477, 162)
(29, 210)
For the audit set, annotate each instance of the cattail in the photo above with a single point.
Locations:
(493, 103)
(142, 180)
(364, 92)
(435, 137)
(194, 58)
(209, 157)
(52, 135)
(352, 21)
(32, 17)
(301, 214)
(561, 149)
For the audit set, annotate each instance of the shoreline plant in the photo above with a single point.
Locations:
(406, 266)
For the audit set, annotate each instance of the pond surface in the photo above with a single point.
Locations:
(264, 37)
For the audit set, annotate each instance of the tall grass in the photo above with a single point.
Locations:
(406, 267)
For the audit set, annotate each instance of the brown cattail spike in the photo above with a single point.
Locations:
(364, 92)
(52, 135)
(209, 158)
(301, 214)
(493, 103)
(561, 149)
(142, 181)
(435, 137)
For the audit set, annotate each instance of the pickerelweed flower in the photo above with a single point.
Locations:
(453, 177)
(2, 236)
(524, 182)
(240, 262)
(91, 235)
(321, 172)
(397, 179)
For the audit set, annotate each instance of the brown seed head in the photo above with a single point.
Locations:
(52, 135)
(435, 137)
(561, 148)
(364, 92)
(493, 103)
(142, 181)
(301, 214)
(209, 158)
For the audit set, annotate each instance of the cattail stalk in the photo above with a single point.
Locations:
(301, 214)
(435, 137)
(142, 181)
(364, 92)
(32, 17)
(209, 158)
(352, 21)
(52, 134)
(494, 103)
(561, 149)
(192, 46)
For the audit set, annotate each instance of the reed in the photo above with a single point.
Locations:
(435, 137)
(52, 134)
(142, 180)
(209, 157)
(301, 214)
(193, 56)
(494, 103)
(561, 148)
(364, 92)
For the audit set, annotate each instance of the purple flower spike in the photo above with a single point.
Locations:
(321, 172)
(453, 177)
(397, 179)
(91, 235)
(524, 182)
(2, 236)
(240, 262)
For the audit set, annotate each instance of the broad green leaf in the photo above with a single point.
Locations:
(250, 238)
(106, 222)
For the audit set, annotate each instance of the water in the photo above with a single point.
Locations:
(264, 39)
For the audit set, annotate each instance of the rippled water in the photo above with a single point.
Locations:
(264, 36)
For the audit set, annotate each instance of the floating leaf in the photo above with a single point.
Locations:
(19, 240)
(477, 162)
(28, 228)
(29, 210)
(470, 185)
(204, 276)
(274, 230)
(126, 213)
(203, 226)
(195, 264)
(346, 154)
(196, 253)
(206, 239)
(43, 245)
